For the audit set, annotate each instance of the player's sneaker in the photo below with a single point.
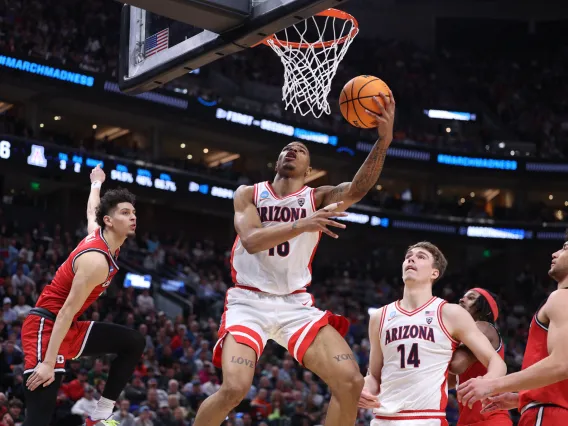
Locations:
(90, 422)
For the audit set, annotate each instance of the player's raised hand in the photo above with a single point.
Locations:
(98, 174)
(320, 220)
(368, 400)
(503, 401)
(43, 374)
(384, 120)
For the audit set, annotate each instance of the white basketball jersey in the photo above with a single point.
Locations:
(417, 350)
(287, 267)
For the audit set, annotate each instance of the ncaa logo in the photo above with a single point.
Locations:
(263, 195)
(392, 315)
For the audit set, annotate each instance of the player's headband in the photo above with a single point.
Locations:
(490, 300)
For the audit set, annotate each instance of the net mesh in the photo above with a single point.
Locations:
(309, 66)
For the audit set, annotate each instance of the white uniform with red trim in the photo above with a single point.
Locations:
(285, 268)
(417, 350)
(269, 300)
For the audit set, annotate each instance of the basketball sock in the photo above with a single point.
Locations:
(103, 410)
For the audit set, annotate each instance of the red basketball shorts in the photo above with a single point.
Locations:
(544, 415)
(36, 332)
(497, 421)
(292, 321)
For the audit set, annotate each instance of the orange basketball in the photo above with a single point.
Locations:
(357, 96)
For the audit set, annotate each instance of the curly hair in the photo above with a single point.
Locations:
(110, 200)
(440, 263)
(482, 309)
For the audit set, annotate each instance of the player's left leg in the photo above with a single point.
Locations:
(104, 338)
(41, 402)
(331, 358)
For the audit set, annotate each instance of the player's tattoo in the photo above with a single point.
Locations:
(369, 172)
(242, 361)
(344, 357)
(336, 194)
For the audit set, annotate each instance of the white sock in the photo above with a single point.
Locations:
(103, 410)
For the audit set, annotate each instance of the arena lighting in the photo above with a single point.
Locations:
(149, 96)
(46, 71)
(477, 162)
(409, 154)
(499, 233)
(275, 127)
(450, 115)
(547, 167)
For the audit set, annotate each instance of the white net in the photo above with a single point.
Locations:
(309, 66)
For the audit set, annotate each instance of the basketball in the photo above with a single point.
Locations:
(357, 96)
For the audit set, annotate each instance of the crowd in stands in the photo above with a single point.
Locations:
(524, 89)
(175, 374)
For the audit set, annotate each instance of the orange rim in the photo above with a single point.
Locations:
(333, 13)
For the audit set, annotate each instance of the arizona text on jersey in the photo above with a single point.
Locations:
(285, 268)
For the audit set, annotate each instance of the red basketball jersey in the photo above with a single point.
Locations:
(536, 350)
(54, 294)
(473, 415)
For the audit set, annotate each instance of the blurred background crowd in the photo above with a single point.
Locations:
(176, 374)
(518, 92)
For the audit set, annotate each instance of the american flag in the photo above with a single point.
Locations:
(429, 313)
(156, 43)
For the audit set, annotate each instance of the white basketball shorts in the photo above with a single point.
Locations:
(253, 317)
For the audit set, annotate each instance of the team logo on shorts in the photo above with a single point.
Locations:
(429, 320)
(301, 201)
(263, 195)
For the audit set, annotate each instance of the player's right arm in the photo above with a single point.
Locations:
(550, 370)
(97, 178)
(368, 398)
(91, 269)
(255, 238)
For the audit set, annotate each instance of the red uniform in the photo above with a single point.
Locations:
(547, 406)
(473, 416)
(37, 327)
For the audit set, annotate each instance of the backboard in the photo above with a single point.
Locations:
(161, 41)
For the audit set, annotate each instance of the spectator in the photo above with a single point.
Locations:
(145, 302)
(143, 418)
(9, 315)
(86, 405)
(10, 358)
(22, 309)
(123, 415)
(19, 279)
(75, 389)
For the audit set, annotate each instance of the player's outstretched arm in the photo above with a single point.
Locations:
(91, 269)
(550, 370)
(463, 328)
(463, 358)
(368, 174)
(372, 385)
(97, 178)
(255, 238)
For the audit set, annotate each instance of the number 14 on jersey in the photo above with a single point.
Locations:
(413, 357)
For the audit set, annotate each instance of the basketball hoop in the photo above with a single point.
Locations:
(309, 66)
